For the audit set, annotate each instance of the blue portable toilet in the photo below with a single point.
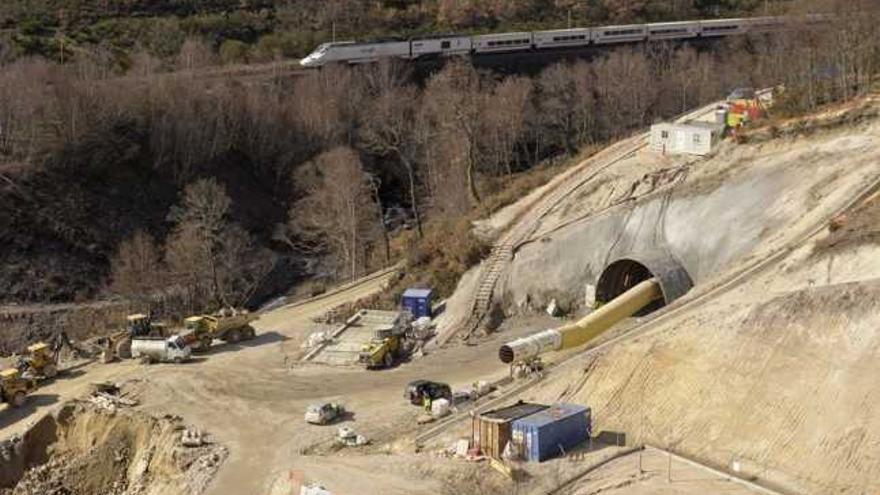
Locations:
(417, 302)
(551, 432)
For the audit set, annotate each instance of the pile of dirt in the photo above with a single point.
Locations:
(101, 451)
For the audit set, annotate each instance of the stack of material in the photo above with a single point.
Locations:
(106, 396)
(440, 408)
(348, 437)
(315, 339)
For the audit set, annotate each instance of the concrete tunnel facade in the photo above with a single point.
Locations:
(680, 240)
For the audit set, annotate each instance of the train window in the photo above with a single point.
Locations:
(622, 32)
(445, 45)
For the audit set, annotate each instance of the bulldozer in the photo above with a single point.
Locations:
(14, 388)
(118, 344)
(39, 362)
(383, 350)
(228, 326)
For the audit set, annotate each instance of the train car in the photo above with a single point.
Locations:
(356, 53)
(561, 38)
(619, 34)
(440, 46)
(673, 30)
(723, 27)
(765, 24)
(504, 42)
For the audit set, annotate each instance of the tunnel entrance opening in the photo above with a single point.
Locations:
(621, 276)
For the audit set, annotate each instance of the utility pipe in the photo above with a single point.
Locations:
(584, 330)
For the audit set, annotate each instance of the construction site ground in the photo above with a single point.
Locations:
(766, 363)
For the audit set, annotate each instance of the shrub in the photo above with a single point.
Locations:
(234, 52)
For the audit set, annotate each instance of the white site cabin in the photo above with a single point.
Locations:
(695, 138)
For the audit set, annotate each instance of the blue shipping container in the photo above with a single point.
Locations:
(552, 431)
(417, 302)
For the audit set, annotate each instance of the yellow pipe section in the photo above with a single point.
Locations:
(600, 320)
(586, 329)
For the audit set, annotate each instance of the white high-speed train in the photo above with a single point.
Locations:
(351, 52)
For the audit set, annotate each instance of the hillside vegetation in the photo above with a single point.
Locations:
(207, 191)
(125, 31)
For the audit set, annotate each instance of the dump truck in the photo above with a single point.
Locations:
(39, 362)
(384, 349)
(201, 330)
(160, 350)
(14, 388)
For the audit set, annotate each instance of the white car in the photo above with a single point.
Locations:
(322, 414)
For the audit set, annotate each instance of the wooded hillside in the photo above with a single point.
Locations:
(192, 189)
(265, 29)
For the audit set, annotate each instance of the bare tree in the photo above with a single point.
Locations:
(505, 119)
(453, 104)
(195, 54)
(339, 212)
(389, 128)
(137, 268)
(626, 89)
(210, 256)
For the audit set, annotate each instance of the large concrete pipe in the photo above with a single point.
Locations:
(585, 329)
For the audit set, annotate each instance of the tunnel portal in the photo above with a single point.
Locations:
(625, 273)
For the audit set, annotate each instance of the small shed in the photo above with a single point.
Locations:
(695, 138)
(417, 302)
(551, 432)
(493, 430)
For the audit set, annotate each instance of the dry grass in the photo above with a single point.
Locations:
(857, 227)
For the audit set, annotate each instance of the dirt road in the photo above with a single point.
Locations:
(251, 397)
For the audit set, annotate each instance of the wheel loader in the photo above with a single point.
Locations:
(232, 327)
(383, 350)
(39, 362)
(14, 388)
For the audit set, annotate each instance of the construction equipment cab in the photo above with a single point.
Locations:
(39, 361)
(384, 348)
(141, 325)
(14, 388)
